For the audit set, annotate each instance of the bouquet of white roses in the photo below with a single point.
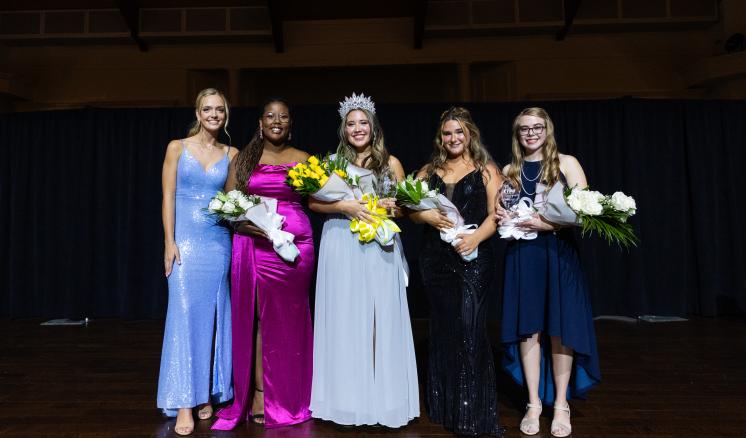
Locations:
(236, 206)
(232, 205)
(593, 211)
(415, 194)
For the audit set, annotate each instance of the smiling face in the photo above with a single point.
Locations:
(454, 137)
(357, 129)
(275, 122)
(532, 133)
(211, 113)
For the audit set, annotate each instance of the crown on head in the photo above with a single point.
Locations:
(354, 102)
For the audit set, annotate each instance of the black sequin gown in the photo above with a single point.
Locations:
(461, 389)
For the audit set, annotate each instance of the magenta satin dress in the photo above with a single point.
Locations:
(257, 272)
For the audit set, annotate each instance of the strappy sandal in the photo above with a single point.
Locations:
(258, 418)
(205, 413)
(530, 426)
(560, 429)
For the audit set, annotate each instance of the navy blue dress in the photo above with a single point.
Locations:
(545, 291)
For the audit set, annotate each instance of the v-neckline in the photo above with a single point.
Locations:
(208, 168)
(458, 181)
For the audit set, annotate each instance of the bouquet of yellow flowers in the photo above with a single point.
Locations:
(381, 229)
(308, 178)
(330, 180)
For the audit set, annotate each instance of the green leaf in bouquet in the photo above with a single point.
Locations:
(409, 191)
(610, 230)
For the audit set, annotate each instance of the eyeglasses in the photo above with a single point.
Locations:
(527, 130)
(283, 118)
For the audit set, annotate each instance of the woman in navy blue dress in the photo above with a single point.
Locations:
(545, 302)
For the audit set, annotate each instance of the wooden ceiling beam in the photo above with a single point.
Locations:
(275, 19)
(420, 12)
(571, 10)
(130, 11)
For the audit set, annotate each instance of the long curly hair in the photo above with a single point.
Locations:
(476, 151)
(550, 155)
(249, 157)
(378, 160)
(195, 127)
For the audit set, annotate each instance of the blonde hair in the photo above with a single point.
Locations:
(378, 160)
(195, 127)
(550, 156)
(478, 154)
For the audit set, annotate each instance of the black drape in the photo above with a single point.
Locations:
(80, 230)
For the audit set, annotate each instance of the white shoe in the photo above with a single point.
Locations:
(530, 426)
(561, 429)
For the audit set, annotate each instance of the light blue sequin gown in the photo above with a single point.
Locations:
(198, 316)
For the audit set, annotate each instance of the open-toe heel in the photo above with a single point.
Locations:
(258, 418)
(530, 426)
(561, 429)
(184, 430)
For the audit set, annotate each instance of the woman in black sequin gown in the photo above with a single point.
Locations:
(461, 390)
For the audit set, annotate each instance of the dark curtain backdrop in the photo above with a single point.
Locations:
(80, 230)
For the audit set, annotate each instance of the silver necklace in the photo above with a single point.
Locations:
(538, 174)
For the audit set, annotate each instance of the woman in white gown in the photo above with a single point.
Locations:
(364, 369)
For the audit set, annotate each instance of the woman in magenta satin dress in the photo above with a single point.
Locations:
(269, 296)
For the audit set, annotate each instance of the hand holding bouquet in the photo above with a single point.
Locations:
(236, 206)
(416, 195)
(381, 228)
(329, 181)
(264, 215)
(451, 235)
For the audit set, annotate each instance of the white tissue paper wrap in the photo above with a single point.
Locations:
(552, 205)
(449, 234)
(424, 204)
(264, 215)
(336, 189)
(523, 211)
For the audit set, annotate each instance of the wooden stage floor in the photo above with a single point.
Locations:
(663, 380)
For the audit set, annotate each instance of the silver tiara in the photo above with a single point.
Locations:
(360, 101)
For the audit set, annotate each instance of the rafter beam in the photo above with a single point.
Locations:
(571, 10)
(420, 12)
(130, 11)
(275, 19)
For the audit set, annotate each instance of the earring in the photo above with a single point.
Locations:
(261, 136)
(290, 136)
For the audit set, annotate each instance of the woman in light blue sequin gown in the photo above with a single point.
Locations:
(196, 361)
